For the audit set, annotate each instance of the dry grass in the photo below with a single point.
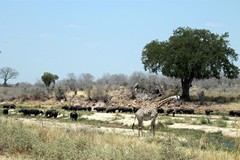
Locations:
(216, 155)
(55, 143)
(45, 142)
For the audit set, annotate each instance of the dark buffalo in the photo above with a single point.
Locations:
(184, 111)
(160, 110)
(83, 108)
(135, 109)
(179, 111)
(51, 113)
(188, 111)
(208, 111)
(100, 109)
(73, 108)
(111, 109)
(9, 106)
(24, 111)
(234, 112)
(169, 110)
(86, 108)
(74, 115)
(34, 112)
(89, 108)
(65, 107)
(125, 109)
(5, 111)
(79, 108)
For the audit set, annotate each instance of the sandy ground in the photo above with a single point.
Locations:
(128, 119)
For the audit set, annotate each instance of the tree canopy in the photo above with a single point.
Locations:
(191, 54)
(49, 78)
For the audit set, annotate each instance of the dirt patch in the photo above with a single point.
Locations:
(125, 119)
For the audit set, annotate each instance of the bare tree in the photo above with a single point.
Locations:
(71, 82)
(7, 73)
(86, 81)
(139, 78)
(104, 80)
(153, 82)
(118, 79)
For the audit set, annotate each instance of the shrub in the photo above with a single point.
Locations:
(170, 150)
(225, 117)
(169, 122)
(204, 120)
(16, 138)
(60, 94)
(221, 123)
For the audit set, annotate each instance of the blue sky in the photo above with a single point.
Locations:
(100, 36)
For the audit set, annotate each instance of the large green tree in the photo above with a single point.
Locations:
(49, 78)
(191, 54)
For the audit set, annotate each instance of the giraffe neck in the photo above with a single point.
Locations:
(162, 102)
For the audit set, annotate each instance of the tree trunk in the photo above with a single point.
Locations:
(5, 83)
(186, 84)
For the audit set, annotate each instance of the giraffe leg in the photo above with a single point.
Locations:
(139, 129)
(153, 127)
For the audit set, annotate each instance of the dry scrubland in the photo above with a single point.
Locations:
(24, 141)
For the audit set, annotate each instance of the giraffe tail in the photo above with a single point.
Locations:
(134, 122)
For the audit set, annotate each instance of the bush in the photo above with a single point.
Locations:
(33, 94)
(60, 94)
(221, 123)
(204, 120)
(170, 150)
(169, 122)
(99, 94)
(15, 138)
(225, 117)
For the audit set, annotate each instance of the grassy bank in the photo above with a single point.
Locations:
(23, 141)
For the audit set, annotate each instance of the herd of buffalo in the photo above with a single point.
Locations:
(74, 115)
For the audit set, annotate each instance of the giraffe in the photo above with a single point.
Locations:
(149, 113)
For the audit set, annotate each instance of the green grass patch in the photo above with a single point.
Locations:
(220, 123)
(200, 139)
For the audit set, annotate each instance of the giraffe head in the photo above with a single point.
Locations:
(176, 97)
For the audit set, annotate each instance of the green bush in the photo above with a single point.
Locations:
(221, 123)
(204, 120)
(169, 122)
(170, 150)
(225, 117)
